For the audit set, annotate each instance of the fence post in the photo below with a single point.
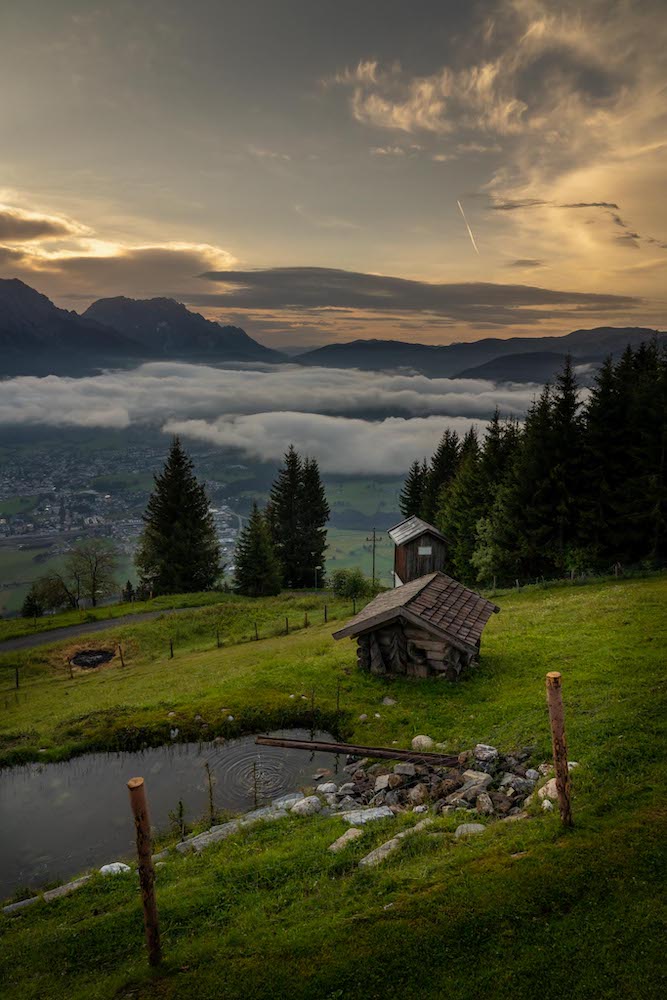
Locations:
(146, 871)
(305, 620)
(256, 632)
(556, 718)
(171, 649)
(120, 653)
(326, 616)
(217, 637)
(286, 626)
(71, 672)
(16, 676)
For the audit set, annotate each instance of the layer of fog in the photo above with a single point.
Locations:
(261, 411)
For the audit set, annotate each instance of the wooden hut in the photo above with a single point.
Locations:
(428, 627)
(420, 549)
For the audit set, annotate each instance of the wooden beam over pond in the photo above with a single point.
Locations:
(388, 753)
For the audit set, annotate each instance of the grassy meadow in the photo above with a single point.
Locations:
(525, 909)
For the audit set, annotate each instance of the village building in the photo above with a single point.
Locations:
(428, 627)
(419, 549)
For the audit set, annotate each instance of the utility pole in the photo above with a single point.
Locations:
(373, 540)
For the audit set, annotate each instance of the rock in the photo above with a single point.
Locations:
(380, 853)
(285, 801)
(306, 807)
(385, 781)
(198, 718)
(418, 794)
(547, 805)
(348, 788)
(447, 786)
(21, 905)
(571, 764)
(346, 838)
(160, 864)
(65, 890)
(501, 802)
(199, 841)
(485, 752)
(379, 768)
(328, 788)
(468, 830)
(376, 715)
(346, 803)
(484, 805)
(548, 791)
(393, 798)
(406, 769)
(420, 809)
(545, 769)
(479, 776)
(115, 868)
(363, 717)
(472, 787)
(532, 774)
(522, 785)
(230, 718)
(219, 740)
(514, 816)
(424, 743)
(388, 701)
(171, 715)
(160, 856)
(173, 733)
(360, 816)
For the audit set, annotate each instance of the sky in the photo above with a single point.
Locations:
(324, 171)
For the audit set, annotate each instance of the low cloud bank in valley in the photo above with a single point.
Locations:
(353, 422)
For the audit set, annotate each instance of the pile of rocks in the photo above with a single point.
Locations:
(484, 782)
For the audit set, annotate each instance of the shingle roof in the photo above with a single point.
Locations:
(436, 601)
(412, 527)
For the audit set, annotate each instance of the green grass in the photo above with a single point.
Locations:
(17, 505)
(19, 567)
(349, 548)
(525, 910)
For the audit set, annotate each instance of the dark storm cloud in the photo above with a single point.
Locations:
(329, 288)
(527, 262)
(16, 226)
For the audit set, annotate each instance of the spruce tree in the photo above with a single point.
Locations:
(462, 506)
(411, 497)
(566, 457)
(442, 470)
(286, 509)
(257, 569)
(178, 550)
(314, 516)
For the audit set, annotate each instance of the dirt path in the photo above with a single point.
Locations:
(69, 631)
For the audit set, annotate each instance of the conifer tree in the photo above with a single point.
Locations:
(566, 463)
(257, 569)
(178, 550)
(286, 518)
(442, 470)
(314, 516)
(462, 506)
(411, 497)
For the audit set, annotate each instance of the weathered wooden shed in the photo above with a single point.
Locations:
(428, 627)
(419, 549)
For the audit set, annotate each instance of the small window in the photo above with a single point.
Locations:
(425, 550)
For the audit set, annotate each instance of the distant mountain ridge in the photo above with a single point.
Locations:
(165, 327)
(38, 338)
(461, 359)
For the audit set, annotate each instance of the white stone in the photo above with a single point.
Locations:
(327, 788)
(571, 764)
(115, 868)
(363, 717)
(386, 781)
(173, 733)
(547, 805)
(377, 715)
(346, 838)
(230, 718)
(380, 853)
(306, 807)
(468, 830)
(484, 805)
(420, 809)
(388, 701)
(65, 890)
(532, 774)
(424, 743)
(360, 816)
(484, 752)
(548, 791)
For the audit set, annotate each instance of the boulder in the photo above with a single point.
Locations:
(406, 769)
(328, 788)
(346, 838)
(349, 788)
(532, 774)
(484, 805)
(388, 701)
(468, 830)
(306, 807)
(423, 743)
(485, 752)
(285, 801)
(387, 781)
(360, 816)
(418, 794)
(548, 791)
(115, 868)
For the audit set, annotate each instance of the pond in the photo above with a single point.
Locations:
(60, 819)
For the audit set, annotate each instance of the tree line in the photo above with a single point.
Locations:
(579, 486)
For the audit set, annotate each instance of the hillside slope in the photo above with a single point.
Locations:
(520, 911)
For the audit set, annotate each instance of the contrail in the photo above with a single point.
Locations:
(472, 238)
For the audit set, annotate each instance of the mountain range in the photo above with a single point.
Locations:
(38, 338)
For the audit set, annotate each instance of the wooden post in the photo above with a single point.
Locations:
(305, 620)
(217, 637)
(16, 676)
(171, 649)
(120, 653)
(211, 809)
(556, 718)
(286, 626)
(256, 633)
(146, 871)
(71, 672)
(326, 615)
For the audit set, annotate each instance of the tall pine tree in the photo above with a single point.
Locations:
(462, 506)
(442, 470)
(178, 549)
(314, 516)
(411, 497)
(257, 570)
(297, 515)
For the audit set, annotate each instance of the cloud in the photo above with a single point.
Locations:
(526, 262)
(341, 445)
(162, 390)
(322, 221)
(328, 288)
(17, 225)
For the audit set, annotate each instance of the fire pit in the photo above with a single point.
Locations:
(89, 658)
